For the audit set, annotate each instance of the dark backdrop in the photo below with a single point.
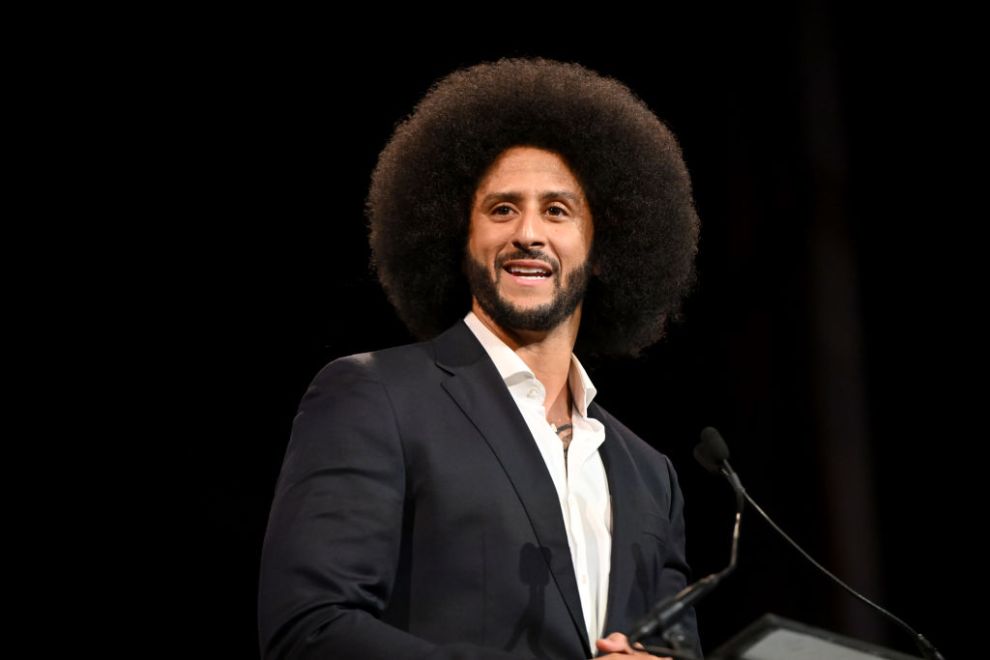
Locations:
(827, 338)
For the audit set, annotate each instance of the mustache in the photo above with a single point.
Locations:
(533, 255)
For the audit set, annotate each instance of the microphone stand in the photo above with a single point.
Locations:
(713, 454)
(665, 616)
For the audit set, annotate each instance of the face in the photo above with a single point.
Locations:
(529, 241)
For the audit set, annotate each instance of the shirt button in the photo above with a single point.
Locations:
(584, 579)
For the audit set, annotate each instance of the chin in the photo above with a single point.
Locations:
(526, 304)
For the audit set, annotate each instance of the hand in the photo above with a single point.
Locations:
(617, 645)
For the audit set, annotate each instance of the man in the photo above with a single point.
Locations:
(464, 497)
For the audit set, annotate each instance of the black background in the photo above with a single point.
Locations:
(828, 338)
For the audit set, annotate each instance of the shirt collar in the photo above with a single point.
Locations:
(512, 368)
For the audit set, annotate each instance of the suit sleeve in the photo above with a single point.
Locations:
(676, 573)
(334, 534)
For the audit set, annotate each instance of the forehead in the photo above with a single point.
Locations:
(529, 169)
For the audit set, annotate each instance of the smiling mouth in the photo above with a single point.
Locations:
(530, 270)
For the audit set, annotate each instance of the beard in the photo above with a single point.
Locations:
(566, 296)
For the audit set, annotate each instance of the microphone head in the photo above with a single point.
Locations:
(712, 451)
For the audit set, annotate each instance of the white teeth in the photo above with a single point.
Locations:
(524, 271)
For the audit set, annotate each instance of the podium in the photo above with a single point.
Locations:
(772, 637)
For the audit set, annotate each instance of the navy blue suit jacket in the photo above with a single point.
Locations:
(415, 518)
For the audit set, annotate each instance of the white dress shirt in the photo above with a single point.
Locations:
(578, 475)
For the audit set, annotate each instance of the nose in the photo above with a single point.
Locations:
(529, 231)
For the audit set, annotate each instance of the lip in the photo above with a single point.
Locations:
(529, 263)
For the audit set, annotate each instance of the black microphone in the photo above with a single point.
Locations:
(713, 454)
(663, 617)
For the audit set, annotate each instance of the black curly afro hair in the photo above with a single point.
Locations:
(628, 162)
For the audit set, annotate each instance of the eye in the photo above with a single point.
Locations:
(502, 209)
(557, 211)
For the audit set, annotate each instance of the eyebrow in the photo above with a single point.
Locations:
(516, 197)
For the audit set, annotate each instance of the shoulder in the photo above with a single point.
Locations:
(639, 450)
(364, 386)
(386, 366)
(612, 423)
(409, 365)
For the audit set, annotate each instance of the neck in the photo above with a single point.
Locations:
(546, 352)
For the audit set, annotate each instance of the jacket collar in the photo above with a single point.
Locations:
(629, 504)
(477, 388)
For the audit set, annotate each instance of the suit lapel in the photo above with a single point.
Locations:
(478, 389)
(626, 499)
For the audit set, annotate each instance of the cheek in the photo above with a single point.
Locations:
(587, 242)
(483, 244)
(472, 240)
(576, 246)
(587, 236)
(474, 248)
